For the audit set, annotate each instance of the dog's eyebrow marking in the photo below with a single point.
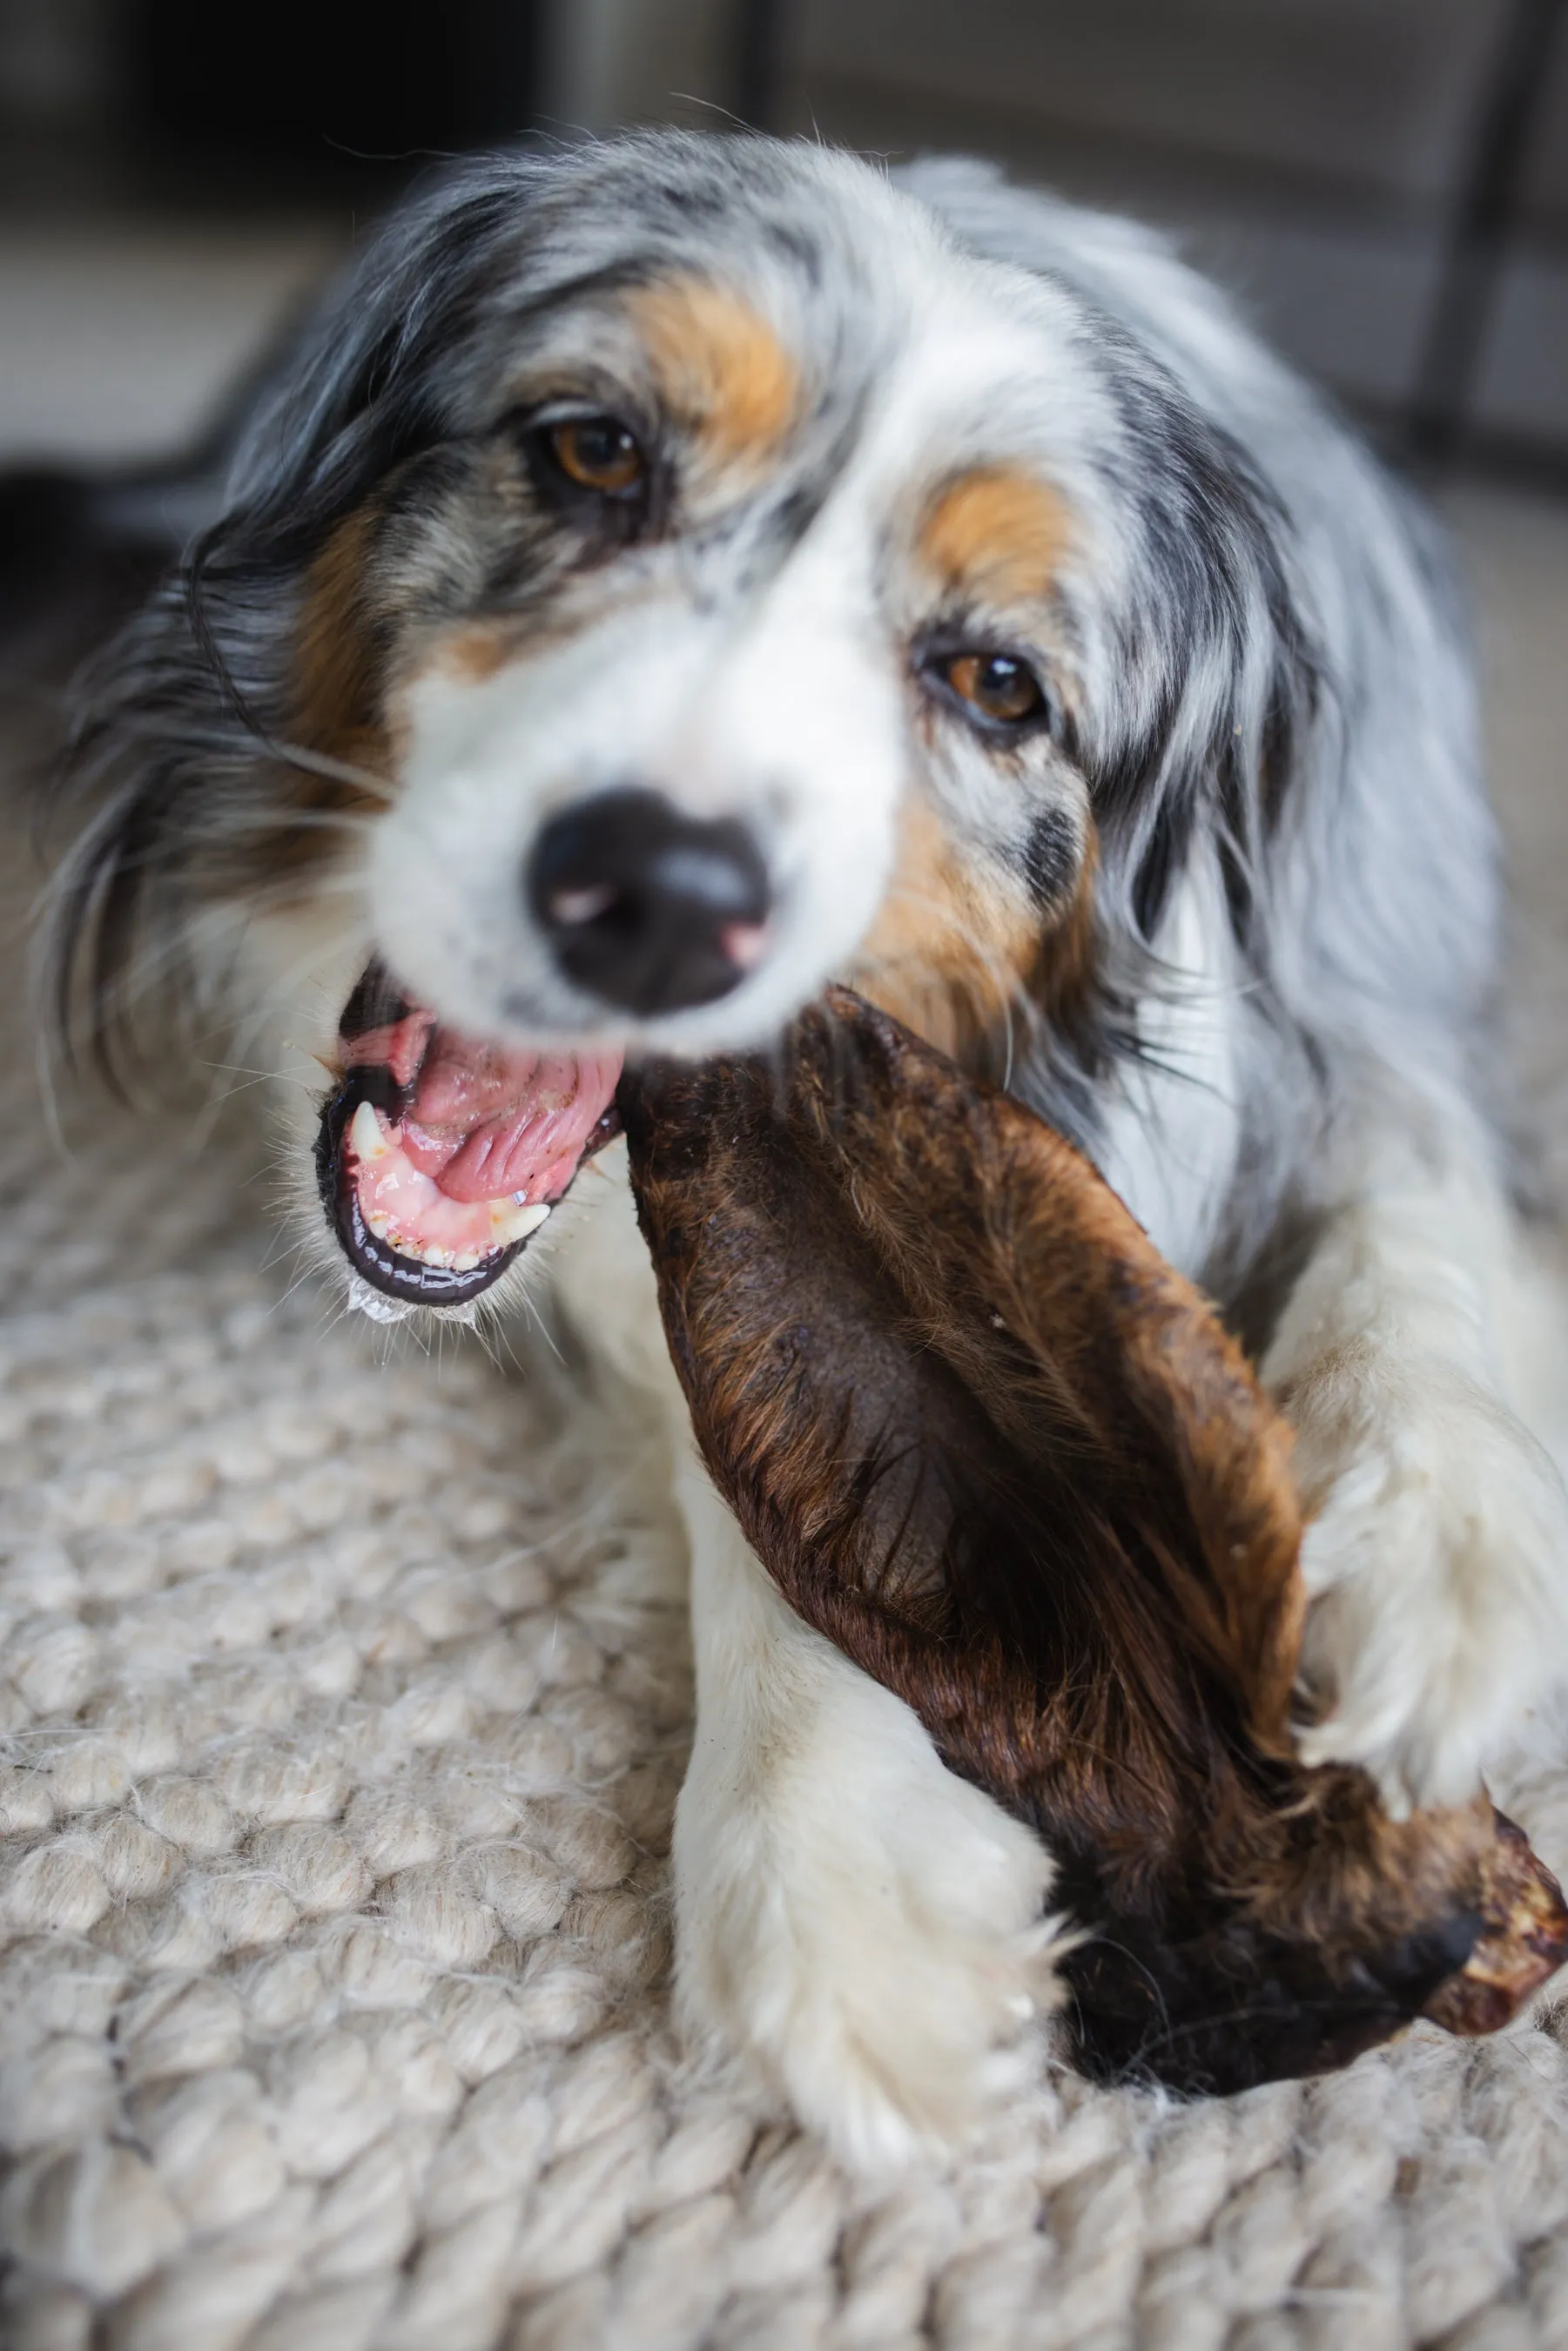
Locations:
(996, 533)
(721, 369)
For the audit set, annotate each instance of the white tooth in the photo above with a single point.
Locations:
(365, 1136)
(466, 1260)
(509, 1224)
(379, 1225)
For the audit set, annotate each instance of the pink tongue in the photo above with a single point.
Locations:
(486, 1120)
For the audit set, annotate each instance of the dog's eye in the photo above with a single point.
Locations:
(997, 685)
(599, 453)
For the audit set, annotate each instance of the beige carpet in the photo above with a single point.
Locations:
(345, 1702)
(344, 1709)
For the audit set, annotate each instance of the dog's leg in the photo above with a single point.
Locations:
(1415, 1337)
(865, 1925)
(860, 1925)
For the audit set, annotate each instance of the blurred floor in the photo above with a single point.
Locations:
(122, 342)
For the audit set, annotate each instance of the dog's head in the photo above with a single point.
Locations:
(671, 574)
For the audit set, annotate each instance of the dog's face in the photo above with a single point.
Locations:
(756, 666)
(700, 580)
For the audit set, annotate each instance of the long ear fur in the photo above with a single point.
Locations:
(989, 1442)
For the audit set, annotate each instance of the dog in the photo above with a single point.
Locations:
(671, 574)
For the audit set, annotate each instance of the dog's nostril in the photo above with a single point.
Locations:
(645, 907)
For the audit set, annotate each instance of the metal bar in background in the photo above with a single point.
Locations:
(1475, 245)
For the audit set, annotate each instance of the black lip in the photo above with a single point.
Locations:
(375, 1001)
(385, 1268)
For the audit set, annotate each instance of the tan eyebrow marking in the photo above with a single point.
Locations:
(996, 533)
(721, 369)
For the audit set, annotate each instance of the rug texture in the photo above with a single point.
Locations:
(344, 1703)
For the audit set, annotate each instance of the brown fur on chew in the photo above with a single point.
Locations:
(1001, 1453)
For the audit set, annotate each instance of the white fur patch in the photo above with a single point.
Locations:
(1171, 1127)
(1438, 1556)
(867, 1928)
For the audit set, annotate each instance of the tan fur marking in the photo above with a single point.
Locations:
(949, 950)
(338, 681)
(998, 534)
(721, 369)
(337, 701)
(952, 950)
(472, 653)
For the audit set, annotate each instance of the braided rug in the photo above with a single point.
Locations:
(344, 1704)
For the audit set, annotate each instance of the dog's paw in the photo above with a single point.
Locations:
(860, 1927)
(1438, 1567)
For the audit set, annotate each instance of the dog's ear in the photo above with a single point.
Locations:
(987, 1440)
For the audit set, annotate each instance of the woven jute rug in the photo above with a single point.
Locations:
(344, 1704)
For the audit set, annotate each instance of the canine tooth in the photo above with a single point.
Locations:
(365, 1136)
(509, 1224)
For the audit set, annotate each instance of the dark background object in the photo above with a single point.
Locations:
(759, 29)
(314, 81)
(180, 105)
(1384, 182)
(1484, 216)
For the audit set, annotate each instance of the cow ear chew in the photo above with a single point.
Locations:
(987, 1440)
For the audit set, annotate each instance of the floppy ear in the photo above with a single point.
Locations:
(985, 1438)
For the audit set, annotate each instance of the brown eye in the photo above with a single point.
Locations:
(1000, 688)
(597, 453)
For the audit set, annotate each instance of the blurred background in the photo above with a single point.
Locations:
(1383, 182)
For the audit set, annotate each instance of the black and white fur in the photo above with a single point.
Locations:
(1263, 715)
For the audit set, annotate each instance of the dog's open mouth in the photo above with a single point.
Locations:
(439, 1156)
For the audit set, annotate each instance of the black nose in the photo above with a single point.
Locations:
(645, 907)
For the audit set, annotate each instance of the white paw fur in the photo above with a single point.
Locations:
(1420, 1329)
(1438, 1566)
(860, 1925)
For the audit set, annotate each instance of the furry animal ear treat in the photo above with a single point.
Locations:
(992, 1445)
